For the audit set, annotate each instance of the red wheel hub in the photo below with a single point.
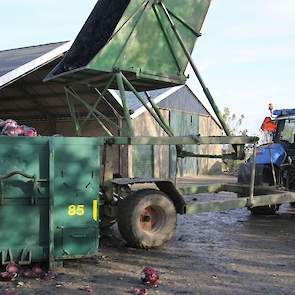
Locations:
(149, 219)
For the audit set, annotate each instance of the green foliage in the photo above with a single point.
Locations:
(234, 124)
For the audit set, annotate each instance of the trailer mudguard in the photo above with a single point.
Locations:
(165, 186)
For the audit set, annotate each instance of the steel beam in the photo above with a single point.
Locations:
(88, 107)
(158, 112)
(91, 111)
(196, 71)
(116, 113)
(252, 180)
(199, 189)
(127, 117)
(182, 140)
(152, 112)
(215, 206)
(73, 112)
(262, 200)
(273, 199)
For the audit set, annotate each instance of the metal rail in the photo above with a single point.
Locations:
(182, 140)
(196, 71)
(33, 179)
(264, 196)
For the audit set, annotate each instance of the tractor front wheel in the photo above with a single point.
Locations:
(146, 218)
(265, 210)
(264, 177)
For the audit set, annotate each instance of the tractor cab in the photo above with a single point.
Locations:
(281, 125)
(285, 132)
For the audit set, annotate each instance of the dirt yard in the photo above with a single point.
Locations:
(216, 253)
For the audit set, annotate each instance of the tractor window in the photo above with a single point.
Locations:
(288, 131)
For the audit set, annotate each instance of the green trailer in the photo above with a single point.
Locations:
(49, 198)
(56, 193)
(55, 197)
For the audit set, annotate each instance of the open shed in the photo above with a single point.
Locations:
(26, 98)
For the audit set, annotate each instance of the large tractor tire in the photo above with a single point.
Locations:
(265, 210)
(262, 177)
(146, 218)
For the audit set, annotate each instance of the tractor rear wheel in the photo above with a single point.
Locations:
(262, 178)
(146, 218)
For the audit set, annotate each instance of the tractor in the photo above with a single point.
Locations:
(275, 160)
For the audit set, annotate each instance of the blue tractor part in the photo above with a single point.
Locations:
(284, 112)
(275, 162)
(268, 157)
(271, 154)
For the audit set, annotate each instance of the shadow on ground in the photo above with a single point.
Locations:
(217, 253)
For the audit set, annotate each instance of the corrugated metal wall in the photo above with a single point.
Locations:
(143, 161)
(186, 116)
(208, 127)
(182, 124)
(148, 161)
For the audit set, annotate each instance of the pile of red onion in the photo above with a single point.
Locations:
(150, 276)
(14, 271)
(10, 127)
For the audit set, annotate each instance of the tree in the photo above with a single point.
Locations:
(234, 124)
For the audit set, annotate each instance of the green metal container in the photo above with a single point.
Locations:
(136, 38)
(49, 197)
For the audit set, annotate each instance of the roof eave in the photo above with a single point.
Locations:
(33, 65)
(156, 100)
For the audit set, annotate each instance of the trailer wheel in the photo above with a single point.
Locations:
(261, 177)
(146, 218)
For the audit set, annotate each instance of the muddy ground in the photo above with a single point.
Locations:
(216, 253)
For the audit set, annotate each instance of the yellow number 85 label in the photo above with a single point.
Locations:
(76, 210)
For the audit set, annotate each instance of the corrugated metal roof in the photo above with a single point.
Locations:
(22, 61)
(14, 58)
(170, 98)
(134, 104)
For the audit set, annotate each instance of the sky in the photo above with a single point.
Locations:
(246, 54)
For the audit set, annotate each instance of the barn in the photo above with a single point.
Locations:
(26, 98)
